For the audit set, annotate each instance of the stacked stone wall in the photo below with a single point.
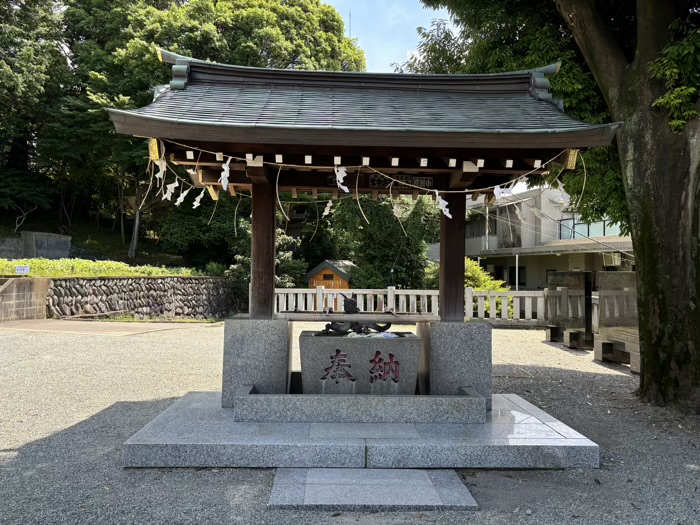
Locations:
(168, 297)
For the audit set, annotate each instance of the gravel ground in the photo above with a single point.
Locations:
(68, 401)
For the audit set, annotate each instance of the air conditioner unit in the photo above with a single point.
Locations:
(612, 259)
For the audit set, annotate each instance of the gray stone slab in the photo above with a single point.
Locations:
(256, 352)
(460, 355)
(370, 490)
(252, 452)
(196, 432)
(486, 433)
(503, 453)
(359, 365)
(469, 407)
(364, 430)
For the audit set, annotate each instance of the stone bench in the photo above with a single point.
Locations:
(624, 352)
(554, 333)
(576, 339)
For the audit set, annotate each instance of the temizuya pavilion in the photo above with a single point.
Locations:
(288, 131)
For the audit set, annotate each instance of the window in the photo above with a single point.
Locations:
(612, 229)
(565, 229)
(581, 230)
(521, 276)
(328, 276)
(596, 229)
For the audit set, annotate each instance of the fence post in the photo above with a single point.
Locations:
(563, 302)
(319, 298)
(541, 301)
(468, 303)
(391, 302)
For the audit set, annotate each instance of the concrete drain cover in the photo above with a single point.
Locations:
(369, 490)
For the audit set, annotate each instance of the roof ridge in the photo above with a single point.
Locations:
(530, 81)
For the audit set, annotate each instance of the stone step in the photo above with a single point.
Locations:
(196, 432)
(468, 407)
(363, 490)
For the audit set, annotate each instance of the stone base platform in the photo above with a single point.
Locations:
(369, 490)
(467, 407)
(196, 432)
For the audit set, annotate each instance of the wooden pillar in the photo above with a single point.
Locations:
(262, 274)
(452, 259)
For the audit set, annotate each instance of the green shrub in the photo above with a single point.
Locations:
(85, 268)
(215, 269)
(474, 277)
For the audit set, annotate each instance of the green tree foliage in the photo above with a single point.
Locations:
(496, 40)
(385, 253)
(474, 277)
(113, 51)
(32, 67)
(678, 67)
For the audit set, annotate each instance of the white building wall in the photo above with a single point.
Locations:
(552, 203)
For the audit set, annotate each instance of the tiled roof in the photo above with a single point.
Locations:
(232, 99)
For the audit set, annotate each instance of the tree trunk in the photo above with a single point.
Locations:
(135, 235)
(137, 224)
(661, 172)
(121, 212)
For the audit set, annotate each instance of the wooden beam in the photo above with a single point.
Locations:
(452, 259)
(479, 162)
(294, 193)
(469, 166)
(262, 289)
(535, 163)
(213, 193)
(232, 190)
(314, 193)
(256, 170)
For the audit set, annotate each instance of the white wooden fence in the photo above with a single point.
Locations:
(378, 300)
(521, 308)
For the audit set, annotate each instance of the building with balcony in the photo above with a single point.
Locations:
(520, 238)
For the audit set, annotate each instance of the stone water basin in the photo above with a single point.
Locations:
(375, 365)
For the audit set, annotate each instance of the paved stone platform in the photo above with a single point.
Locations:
(367, 490)
(467, 407)
(196, 432)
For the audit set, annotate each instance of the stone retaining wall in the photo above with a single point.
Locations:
(23, 298)
(188, 297)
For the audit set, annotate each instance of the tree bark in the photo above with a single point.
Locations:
(661, 172)
(135, 235)
(136, 230)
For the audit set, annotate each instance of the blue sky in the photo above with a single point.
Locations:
(385, 29)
